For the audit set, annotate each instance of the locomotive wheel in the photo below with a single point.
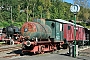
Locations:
(11, 42)
(41, 49)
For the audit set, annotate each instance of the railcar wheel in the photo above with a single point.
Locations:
(65, 46)
(11, 42)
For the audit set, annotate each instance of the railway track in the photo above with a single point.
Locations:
(7, 51)
(10, 48)
(10, 56)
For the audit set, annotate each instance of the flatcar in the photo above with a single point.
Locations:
(44, 35)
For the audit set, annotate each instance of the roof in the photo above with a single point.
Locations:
(66, 22)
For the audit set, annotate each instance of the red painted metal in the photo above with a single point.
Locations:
(0, 36)
(77, 33)
(72, 32)
(65, 31)
(41, 47)
(84, 38)
(68, 33)
(80, 33)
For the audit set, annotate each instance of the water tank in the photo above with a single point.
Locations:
(33, 30)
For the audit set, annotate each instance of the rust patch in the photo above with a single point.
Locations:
(30, 26)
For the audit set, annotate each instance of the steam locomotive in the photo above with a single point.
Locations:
(44, 35)
(10, 34)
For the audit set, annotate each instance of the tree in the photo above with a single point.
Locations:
(84, 11)
(51, 9)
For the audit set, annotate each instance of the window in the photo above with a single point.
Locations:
(53, 25)
(69, 27)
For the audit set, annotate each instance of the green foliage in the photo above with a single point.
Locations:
(5, 24)
(1, 25)
(22, 18)
(18, 24)
(5, 15)
(51, 9)
(82, 24)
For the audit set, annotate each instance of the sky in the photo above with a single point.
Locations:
(69, 1)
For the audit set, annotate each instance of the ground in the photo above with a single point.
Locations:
(84, 54)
